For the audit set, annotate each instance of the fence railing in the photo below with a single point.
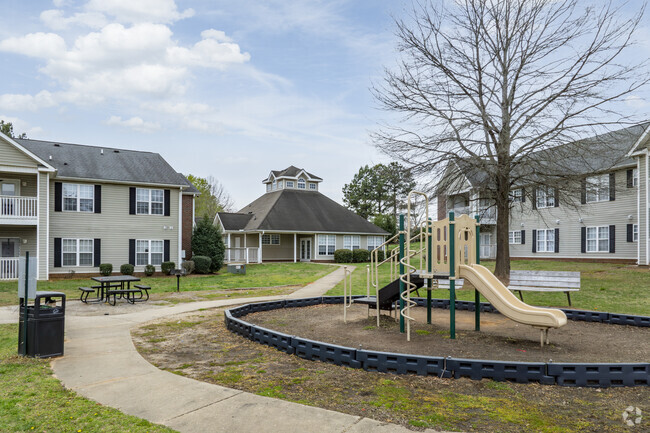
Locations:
(8, 268)
(241, 255)
(488, 251)
(15, 207)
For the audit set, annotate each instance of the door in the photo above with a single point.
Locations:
(8, 189)
(9, 248)
(305, 249)
(487, 249)
(238, 253)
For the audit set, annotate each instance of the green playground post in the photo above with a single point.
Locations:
(452, 278)
(477, 295)
(401, 272)
(429, 269)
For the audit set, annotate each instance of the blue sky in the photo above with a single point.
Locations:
(231, 89)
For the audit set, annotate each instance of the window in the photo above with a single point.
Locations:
(78, 198)
(516, 195)
(148, 252)
(289, 184)
(598, 239)
(326, 245)
(271, 239)
(268, 187)
(545, 241)
(301, 183)
(149, 201)
(635, 177)
(597, 188)
(351, 242)
(279, 184)
(312, 186)
(514, 237)
(77, 252)
(545, 197)
(374, 242)
(635, 233)
(275, 184)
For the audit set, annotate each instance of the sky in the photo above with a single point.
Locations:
(230, 89)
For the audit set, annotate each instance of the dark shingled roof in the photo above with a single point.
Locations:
(87, 162)
(234, 221)
(292, 171)
(301, 211)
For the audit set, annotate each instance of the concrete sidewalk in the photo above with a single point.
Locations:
(101, 363)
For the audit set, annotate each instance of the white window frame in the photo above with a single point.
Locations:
(148, 251)
(598, 240)
(516, 195)
(275, 184)
(545, 197)
(635, 232)
(150, 202)
(514, 237)
(328, 242)
(545, 241)
(271, 239)
(78, 187)
(268, 187)
(312, 186)
(597, 188)
(374, 242)
(351, 242)
(302, 184)
(290, 184)
(635, 177)
(280, 184)
(77, 252)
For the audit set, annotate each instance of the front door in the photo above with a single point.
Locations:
(8, 189)
(487, 249)
(238, 255)
(8, 248)
(305, 249)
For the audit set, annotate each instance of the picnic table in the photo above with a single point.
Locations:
(116, 282)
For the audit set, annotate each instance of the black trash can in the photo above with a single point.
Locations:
(45, 325)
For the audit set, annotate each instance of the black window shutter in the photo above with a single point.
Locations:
(534, 241)
(132, 201)
(57, 252)
(556, 191)
(523, 237)
(132, 252)
(98, 199)
(612, 186)
(630, 232)
(97, 250)
(534, 198)
(557, 240)
(166, 251)
(630, 177)
(58, 196)
(523, 195)
(583, 191)
(168, 203)
(583, 239)
(612, 239)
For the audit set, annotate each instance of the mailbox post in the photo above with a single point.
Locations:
(179, 273)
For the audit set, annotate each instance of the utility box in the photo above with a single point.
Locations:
(237, 269)
(45, 325)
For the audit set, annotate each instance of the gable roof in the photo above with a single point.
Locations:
(299, 211)
(103, 163)
(233, 221)
(12, 142)
(291, 171)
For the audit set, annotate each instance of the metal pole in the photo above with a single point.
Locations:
(178, 283)
(26, 294)
(452, 278)
(477, 295)
(401, 272)
(429, 268)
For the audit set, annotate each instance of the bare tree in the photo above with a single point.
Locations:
(494, 84)
(213, 197)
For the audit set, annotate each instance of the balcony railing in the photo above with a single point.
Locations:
(241, 255)
(8, 268)
(488, 251)
(461, 210)
(18, 208)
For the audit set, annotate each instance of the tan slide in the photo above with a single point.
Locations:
(507, 303)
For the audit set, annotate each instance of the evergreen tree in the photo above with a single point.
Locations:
(207, 241)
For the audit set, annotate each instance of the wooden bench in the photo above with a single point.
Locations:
(444, 284)
(544, 281)
(144, 289)
(85, 291)
(128, 294)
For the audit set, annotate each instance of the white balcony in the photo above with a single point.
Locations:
(8, 268)
(488, 251)
(18, 210)
(488, 215)
(241, 255)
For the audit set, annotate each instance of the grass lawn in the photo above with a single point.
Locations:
(257, 275)
(610, 287)
(31, 399)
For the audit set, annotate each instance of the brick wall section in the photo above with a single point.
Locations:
(187, 226)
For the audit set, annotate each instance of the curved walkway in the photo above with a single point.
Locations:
(101, 363)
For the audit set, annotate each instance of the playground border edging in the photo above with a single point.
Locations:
(563, 374)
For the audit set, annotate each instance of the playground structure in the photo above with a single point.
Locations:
(447, 251)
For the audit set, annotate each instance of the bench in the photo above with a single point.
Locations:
(144, 289)
(444, 284)
(127, 293)
(544, 281)
(85, 291)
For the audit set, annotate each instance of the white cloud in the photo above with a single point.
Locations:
(21, 126)
(135, 123)
(41, 45)
(17, 102)
(56, 20)
(212, 51)
(136, 11)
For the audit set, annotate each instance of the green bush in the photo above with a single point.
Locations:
(188, 266)
(167, 267)
(202, 264)
(126, 269)
(207, 241)
(149, 270)
(360, 256)
(105, 269)
(343, 256)
(380, 256)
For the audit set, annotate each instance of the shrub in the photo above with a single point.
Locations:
(126, 269)
(188, 266)
(202, 264)
(167, 267)
(105, 269)
(360, 256)
(380, 256)
(207, 241)
(149, 270)
(343, 256)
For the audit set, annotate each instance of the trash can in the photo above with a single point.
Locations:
(237, 269)
(45, 325)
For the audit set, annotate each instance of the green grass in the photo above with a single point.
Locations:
(257, 275)
(31, 399)
(611, 287)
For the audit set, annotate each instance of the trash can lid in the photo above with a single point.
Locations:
(50, 294)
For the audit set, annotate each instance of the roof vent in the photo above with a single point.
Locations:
(101, 151)
(50, 157)
(65, 163)
(57, 145)
(116, 151)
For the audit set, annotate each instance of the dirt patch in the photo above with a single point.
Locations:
(199, 346)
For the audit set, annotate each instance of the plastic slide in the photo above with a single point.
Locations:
(507, 303)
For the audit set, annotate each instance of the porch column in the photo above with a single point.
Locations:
(245, 249)
(229, 247)
(259, 253)
(295, 247)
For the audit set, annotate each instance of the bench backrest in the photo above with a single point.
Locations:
(444, 284)
(563, 279)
